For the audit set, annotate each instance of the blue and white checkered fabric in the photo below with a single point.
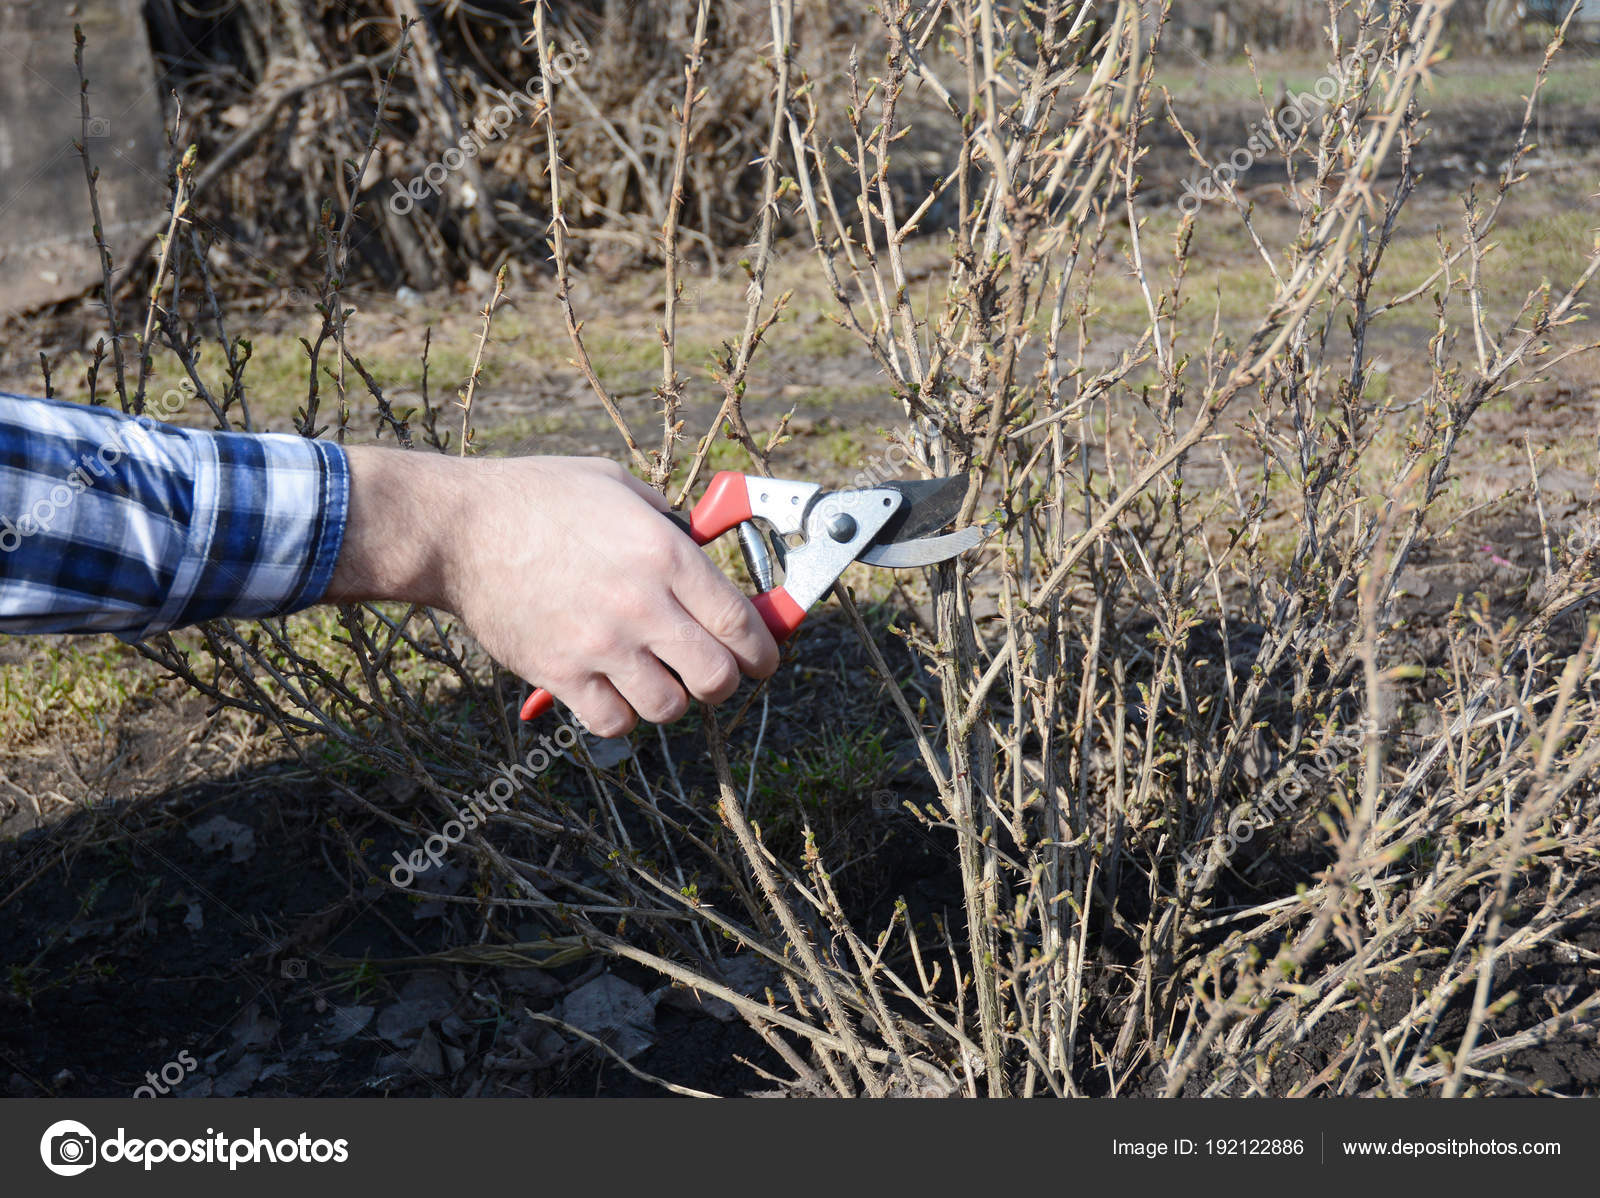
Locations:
(110, 523)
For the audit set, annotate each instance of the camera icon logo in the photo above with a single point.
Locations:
(98, 126)
(293, 968)
(67, 1148)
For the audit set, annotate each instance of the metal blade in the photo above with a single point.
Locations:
(928, 551)
(928, 505)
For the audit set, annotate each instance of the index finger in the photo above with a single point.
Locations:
(724, 612)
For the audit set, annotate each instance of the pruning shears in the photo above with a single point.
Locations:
(814, 534)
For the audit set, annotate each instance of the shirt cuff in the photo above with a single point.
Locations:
(269, 519)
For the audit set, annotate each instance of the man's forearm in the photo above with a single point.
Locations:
(405, 517)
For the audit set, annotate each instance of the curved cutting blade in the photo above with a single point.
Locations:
(927, 506)
(926, 551)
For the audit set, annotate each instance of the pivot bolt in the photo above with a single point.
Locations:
(841, 526)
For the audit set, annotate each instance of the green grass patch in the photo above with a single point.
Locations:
(82, 678)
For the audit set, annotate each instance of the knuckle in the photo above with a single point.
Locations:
(660, 551)
(730, 616)
(611, 723)
(564, 678)
(671, 708)
(718, 680)
(583, 664)
(651, 691)
(664, 704)
(632, 610)
(597, 645)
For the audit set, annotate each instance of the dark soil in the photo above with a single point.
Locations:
(129, 948)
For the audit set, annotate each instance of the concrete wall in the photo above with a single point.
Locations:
(47, 249)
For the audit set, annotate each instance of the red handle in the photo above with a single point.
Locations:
(537, 704)
(781, 614)
(724, 506)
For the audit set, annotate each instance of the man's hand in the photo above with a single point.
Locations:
(565, 572)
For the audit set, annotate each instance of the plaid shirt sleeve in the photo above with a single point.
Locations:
(111, 523)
